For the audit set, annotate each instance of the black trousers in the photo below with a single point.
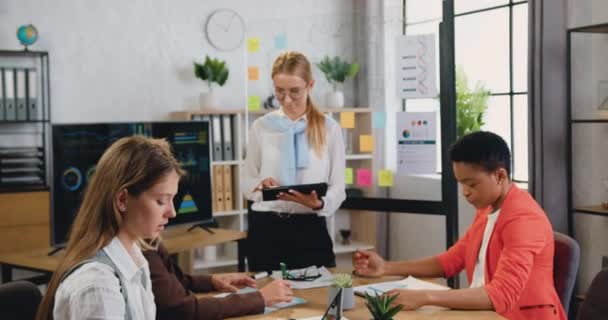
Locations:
(298, 240)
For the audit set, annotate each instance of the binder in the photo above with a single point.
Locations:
(2, 94)
(217, 138)
(21, 100)
(227, 137)
(228, 199)
(31, 81)
(9, 95)
(218, 188)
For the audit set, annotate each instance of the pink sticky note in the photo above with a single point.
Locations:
(364, 177)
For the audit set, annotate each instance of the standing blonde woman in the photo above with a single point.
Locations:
(130, 197)
(296, 144)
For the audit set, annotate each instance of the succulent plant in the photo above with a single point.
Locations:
(343, 280)
(380, 306)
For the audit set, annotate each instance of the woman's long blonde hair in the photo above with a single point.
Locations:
(295, 63)
(134, 164)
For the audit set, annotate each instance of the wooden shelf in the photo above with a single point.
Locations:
(597, 210)
(361, 156)
(228, 162)
(597, 28)
(219, 262)
(352, 247)
(229, 213)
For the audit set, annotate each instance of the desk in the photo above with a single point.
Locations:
(317, 303)
(176, 240)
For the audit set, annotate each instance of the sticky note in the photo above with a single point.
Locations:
(348, 176)
(378, 119)
(366, 143)
(347, 120)
(280, 41)
(385, 178)
(364, 177)
(253, 73)
(253, 103)
(253, 44)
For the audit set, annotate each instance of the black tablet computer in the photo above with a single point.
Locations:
(270, 194)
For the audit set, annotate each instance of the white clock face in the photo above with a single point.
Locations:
(225, 29)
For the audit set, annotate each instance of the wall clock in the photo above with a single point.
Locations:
(225, 29)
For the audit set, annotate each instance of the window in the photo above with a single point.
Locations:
(491, 48)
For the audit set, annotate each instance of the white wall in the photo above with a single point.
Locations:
(132, 60)
(590, 146)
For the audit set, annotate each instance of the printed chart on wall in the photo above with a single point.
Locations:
(416, 66)
(416, 143)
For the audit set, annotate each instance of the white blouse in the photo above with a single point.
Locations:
(263, 160)
(93, 290)
(479, 273)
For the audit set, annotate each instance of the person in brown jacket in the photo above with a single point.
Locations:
(175, 299)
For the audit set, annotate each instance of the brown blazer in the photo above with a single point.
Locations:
(173, 293)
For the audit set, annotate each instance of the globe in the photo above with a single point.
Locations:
(27, 34)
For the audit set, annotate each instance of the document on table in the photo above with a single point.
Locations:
(409, 283)
(325, 280)
(294, 302)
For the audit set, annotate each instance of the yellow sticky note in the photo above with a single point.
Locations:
(347, 120)
(385, 178)
(253, 73)
(348, 176)
(366, 143)
(253, 103)
(253, 44)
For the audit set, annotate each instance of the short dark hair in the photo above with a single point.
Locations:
(483, 148)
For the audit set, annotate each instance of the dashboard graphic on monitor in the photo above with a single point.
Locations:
(78, 147)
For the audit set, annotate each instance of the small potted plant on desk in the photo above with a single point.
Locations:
(345, 282)
(213, 70)
(336, 72)
(380, 306)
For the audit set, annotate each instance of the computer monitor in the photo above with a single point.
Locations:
(76, 148)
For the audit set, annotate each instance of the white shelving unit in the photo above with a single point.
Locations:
(362, 224)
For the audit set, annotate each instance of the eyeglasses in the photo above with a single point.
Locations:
(308, 274)
(294, 93)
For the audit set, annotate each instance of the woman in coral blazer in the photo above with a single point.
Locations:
(507, 252)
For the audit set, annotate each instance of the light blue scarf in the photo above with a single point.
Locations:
(293, 144)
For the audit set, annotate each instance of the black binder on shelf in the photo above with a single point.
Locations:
(9, 95)
(216, 126)
(31, 83)
(227, 137)
(2, 94)
(20, 95)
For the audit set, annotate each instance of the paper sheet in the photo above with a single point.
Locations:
(325, 280)
(294, 302)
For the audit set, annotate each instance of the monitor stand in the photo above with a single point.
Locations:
(56, 249)
(205, 226)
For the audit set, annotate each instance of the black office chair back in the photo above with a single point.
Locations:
(19, 300)
(565, 267)
(595, 305)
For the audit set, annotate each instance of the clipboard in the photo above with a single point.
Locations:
(270, 194)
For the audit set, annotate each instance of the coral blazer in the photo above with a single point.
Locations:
(519, 260)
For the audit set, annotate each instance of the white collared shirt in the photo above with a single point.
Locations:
(93, 290)
(263, 160)
(479, 273)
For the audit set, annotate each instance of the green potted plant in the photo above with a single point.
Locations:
(380, 306)
(343, 281)
(336, 71)
(471, 105)
(211, 71)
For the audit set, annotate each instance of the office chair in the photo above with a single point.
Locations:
(595, 305)
(19, 300)
(565, 267)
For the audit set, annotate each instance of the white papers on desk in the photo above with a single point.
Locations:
(294, 302)
(410, 283)
(325, 280)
